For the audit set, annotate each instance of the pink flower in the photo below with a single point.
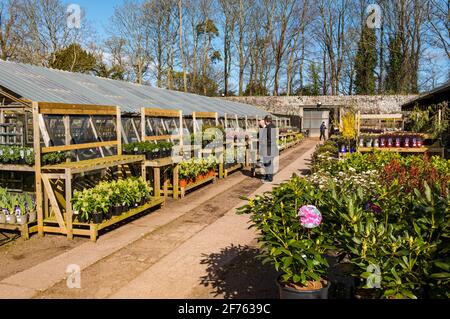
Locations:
(310, 216)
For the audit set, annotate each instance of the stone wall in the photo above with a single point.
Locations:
(290, 105)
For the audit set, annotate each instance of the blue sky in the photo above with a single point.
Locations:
(98, 12)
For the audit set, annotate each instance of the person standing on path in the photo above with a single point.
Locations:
(268, 149)
(323, 128)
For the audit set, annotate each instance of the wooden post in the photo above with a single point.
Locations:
(181, 130)
(69, 213)
(119, 131)
(142, 138)
(119, 138)
(67, 136)
(156, 181)
(143, 133)
(176, 170)
(37, 165)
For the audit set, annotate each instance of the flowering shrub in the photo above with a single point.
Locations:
(381, 210)
(292, 248)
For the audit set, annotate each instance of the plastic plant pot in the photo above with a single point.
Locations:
(97, 218)
(291, 293)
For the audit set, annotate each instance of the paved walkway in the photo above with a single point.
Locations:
(173, 274)
(180, 272)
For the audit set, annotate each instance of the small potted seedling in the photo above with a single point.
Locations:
(21, 214)
(10, 217)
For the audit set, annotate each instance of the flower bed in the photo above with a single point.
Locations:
(16, 208)
(196, 170)
(388, 215)
(150, 150)
(110, 198)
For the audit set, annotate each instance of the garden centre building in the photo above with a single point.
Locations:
(62, 133)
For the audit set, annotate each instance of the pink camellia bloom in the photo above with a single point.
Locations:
(310, 216)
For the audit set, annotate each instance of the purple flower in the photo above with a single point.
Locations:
(372, 208)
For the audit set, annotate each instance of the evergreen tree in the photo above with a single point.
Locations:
(394, 70)
(366, 62)
(74, 59)
(313, 74)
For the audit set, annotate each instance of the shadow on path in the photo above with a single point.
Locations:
(236, 273)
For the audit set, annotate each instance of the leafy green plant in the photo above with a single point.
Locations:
(55, 158)
(107, 195)
(296, 251)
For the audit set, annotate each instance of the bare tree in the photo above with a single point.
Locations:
(129, 23)
(10, 22)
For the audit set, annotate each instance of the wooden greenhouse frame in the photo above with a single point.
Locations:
(163, 163)
(49, 199)
(199, 151)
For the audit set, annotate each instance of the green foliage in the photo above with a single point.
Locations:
(10, 202)
(295, 251)
(195, 167)
(427, 121)
(16, 155)
(366, 62)
(106, 195)
(146, 147)
(55, 158)
(73, 59)
(381, 210)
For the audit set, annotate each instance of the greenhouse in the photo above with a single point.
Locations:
(64, 133)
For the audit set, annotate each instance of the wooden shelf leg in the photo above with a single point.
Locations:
(156, 181)
(176, 170)
(165, 183)
(94, 233)
(221, 171)
(24, 232)
(69, 213)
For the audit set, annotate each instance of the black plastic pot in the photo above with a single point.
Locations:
(291, 293)
(117, 210)
(149, 156)
(83, 219)
(97, 218)
(109, 214)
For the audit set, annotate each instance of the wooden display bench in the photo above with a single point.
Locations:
(54, 182)
(160, 164)
(25, 229)
(51, 225)
(16, 168)
(157, 165)
(219, 152)
(237, 166)
(233, 168)
(187, 188)
(290, 145)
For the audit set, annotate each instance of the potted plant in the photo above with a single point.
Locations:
(10, 216)
(291, 238)
(21, 214)
(2, 217)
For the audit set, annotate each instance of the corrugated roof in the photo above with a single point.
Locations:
(50, 85)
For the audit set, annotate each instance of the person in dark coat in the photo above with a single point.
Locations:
(323, 129)
(268, 148)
